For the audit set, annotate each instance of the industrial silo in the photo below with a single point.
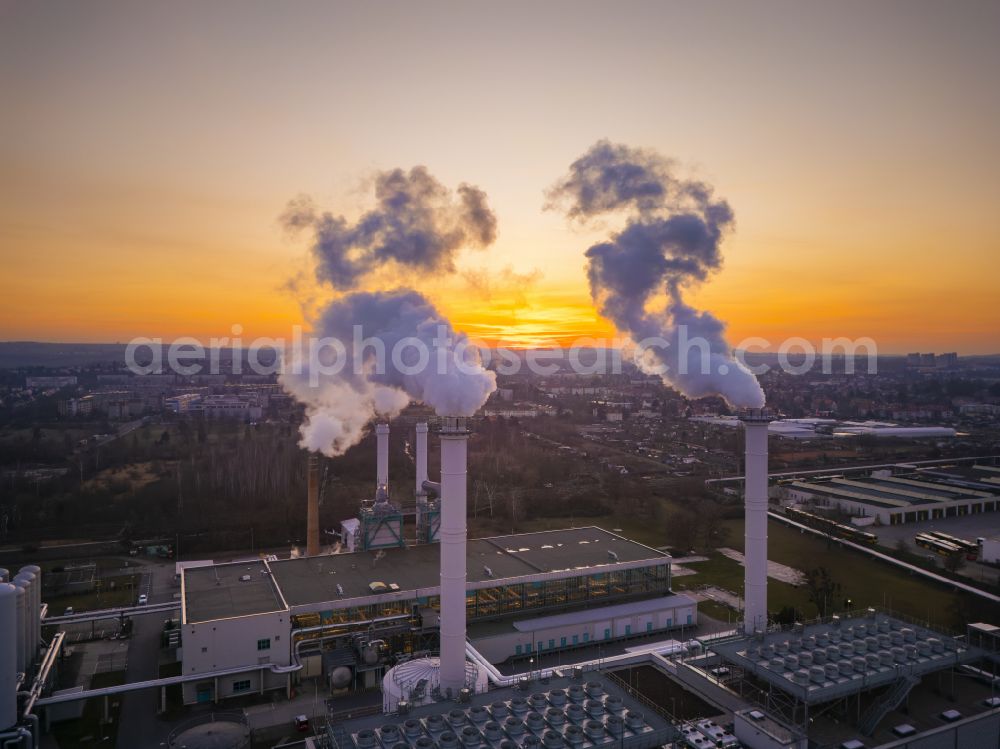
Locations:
(8, 656)
(19, 632)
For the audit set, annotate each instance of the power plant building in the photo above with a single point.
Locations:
(429, 622)
(521, 594)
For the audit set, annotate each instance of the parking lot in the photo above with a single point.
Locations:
(969, 527)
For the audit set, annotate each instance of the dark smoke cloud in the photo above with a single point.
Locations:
(672, 238)
(417, 223)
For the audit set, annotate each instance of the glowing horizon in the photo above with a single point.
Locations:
(143, 173)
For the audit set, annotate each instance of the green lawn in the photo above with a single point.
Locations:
(725, 573)
(866, 581)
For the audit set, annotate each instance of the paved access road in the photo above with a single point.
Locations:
(139, 726)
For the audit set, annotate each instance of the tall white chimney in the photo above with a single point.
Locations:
(382, 463)
(755, 424)
(454, 449)
(421, 457)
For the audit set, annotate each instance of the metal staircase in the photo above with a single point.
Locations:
(419, 684)
(888, 701)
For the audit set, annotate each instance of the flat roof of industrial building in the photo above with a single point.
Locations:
(899, 491)
(826, 661)
(222, 591)
(623, 723)
(980, 477)
(312, 580)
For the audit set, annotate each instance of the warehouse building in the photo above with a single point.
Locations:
(262, 625)
(903, 496)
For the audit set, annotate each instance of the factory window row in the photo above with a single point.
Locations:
(554, 594)
(264, 644)
(509, 599)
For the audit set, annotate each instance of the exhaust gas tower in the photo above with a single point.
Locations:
(755, 425)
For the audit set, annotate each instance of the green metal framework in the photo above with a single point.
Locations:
(381, 530)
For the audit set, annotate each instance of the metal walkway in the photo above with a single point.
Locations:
(135, 685)
(91, 616)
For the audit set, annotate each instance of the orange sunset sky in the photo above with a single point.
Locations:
(147, 149)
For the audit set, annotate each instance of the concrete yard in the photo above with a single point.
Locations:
(775, 570)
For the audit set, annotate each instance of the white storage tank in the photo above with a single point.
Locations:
(20, 631)
(340, 677)
(36, 609)
(26, 576)
(8, 656)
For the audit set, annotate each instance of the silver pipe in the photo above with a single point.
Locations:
(20, 737)
(296, 665)
(43, 672)
(500, 680)
(36, 735)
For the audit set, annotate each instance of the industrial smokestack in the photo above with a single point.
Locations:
(312, 508)
(454, 449)
(382, 463)
(421, 457)
(755, 424)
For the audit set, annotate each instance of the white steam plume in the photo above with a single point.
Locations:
(671, 239)
(433, 364)
(418, 225)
